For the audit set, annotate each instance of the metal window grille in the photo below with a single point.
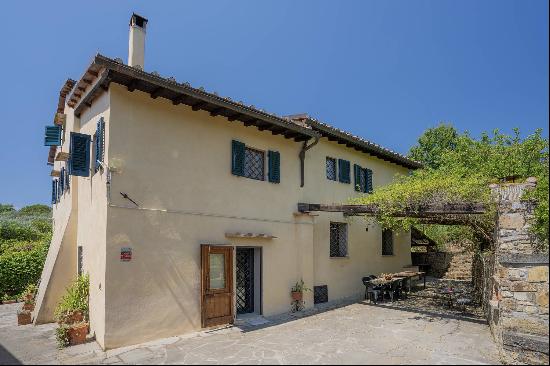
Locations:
(320, 294)
(387, 242)
(338, 239)
(80, 260)
(245, 280)
(331, 168)
(254, 164)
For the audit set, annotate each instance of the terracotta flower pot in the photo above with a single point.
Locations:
(24, 318)
(75, 317)
(29, 307)
(297, 295)
(77, 333)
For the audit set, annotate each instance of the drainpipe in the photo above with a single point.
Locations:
(305, 147)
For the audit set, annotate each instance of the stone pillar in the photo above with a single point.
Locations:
(519, 306)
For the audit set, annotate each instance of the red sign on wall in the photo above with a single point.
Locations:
(125, 254)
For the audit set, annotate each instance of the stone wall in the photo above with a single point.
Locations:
(454, 264)
(518, 309)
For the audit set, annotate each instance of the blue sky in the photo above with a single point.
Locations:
(384, 70)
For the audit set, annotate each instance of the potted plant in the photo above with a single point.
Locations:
(28, 297)
(24, 317)
(297, 291)
(72, 313)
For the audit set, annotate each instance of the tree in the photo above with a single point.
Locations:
(6, 208)
(433, 144)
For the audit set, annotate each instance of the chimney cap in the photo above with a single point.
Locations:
(138, 20)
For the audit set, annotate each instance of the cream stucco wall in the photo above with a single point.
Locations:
(60, 266)
(343, 275)
(92, 216)
(176, 164)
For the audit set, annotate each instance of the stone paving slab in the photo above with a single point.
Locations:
(357, 333)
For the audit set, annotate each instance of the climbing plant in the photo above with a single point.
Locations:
(460, 170)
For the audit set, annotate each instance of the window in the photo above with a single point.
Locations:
(254, 164)
(331, 168)
(80, 260)
(387, 242)
(338, 239)
(250, 163)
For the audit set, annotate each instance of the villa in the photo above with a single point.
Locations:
(181, 204)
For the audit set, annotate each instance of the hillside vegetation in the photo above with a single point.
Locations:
(24, 239)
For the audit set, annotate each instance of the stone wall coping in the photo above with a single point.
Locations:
(527, 259)
(525, 341)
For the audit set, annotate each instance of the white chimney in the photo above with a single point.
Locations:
(136, 45)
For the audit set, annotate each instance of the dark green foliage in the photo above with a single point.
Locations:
(433, 143)
(24, 241)
(35, 210)
(6, 209)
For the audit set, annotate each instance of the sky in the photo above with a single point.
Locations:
(383, 70)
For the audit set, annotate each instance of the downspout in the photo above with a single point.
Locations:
(305, 147)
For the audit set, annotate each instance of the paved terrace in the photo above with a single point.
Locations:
(413, 331)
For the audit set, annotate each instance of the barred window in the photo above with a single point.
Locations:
(331, 168)
(387, 242)
(338, 239)
(254, 162)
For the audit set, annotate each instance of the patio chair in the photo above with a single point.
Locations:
(371, 291)
(394, 290)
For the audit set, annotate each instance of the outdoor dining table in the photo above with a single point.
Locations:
(409, 276)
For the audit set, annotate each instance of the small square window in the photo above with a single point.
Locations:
(338, 239)
(331, 168)
(387, 242)
(254, 162)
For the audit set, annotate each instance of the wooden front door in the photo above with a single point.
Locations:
(217, 285)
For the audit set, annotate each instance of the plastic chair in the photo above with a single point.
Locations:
(371, 291)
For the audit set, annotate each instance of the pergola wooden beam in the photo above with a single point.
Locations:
(421, 211)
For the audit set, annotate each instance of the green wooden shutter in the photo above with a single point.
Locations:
(54, 192)
(52, 136)
(357, 171)
(79, 163)
(344, 171)
(237, 158)
(62, 181)
(368, 181)
(99, 143)
(67, 180)
(274, 173)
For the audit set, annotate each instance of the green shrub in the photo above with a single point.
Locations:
(35, 210)
(12, 229)
(19, 268)
(75, 299)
